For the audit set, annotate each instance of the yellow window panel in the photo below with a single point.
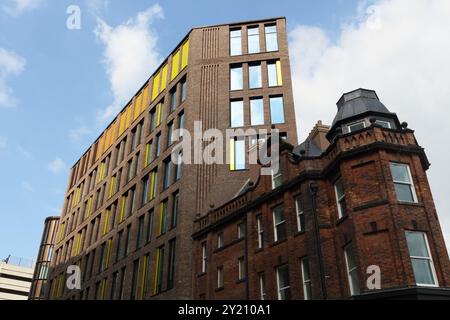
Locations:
(164, 78)
(102, 289)
(161, 217)
(156, 81)
(157, 271)
(232, 160)
(122, 123)
(159, 113)
(175, 65)
(77, 247)
(143, 276)
(107, 138)
(128, 120)
(123, 203)
(89, 207)
(114, 132)
(100, 147)
(279, 77)
(137, 106)
(106, 222)
(144, 99)
(185, 55)
(112, 186)
(108, 254)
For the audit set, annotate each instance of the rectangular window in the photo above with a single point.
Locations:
(175, 208)
(404, 186)
(145, 275)
(178, 167)
(237, 154)
(241, 230)
(121, 283)
(183, 90)
(127, 241)
(262, 286)
(158, 145)
(167, 172)
(148, 153)
(279, 224)
(219, 277)
(277, 178)
(152, 120)
(241, 269)
(149, 225)
(134, 279)
(169, 134)
(271, 38)
(356, 126)
(171, 267)
(257, 111)
(352, 270)
(276, 110)
(237, 113)
(175, 65)
(383, 124)
(220, 241)
(158, 270)
(163, 217)
(340, 198)
(235, 42)
(153, 184)
(253, 39)
(181, 121)
(119, 246)
(173, 99)
(300, 214)
(259, 224)
(254, 75)
(236, 78)
(307, 293)
(204, 257)
(421, 260)
(284, 289)
(140, 233)
(274, 73)
(115, 279)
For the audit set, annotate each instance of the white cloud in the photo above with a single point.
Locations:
(97, 6)
(399, 48)
(130, 55)
(78, 134)
(3, 142)
(57, 165)
(10, 64)
(17, 7)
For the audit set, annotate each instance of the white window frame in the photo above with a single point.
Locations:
(410, 184)
(235, 37)
(220, 242)
(275, 176)
(260, 227)
(275, 225)
(279, 289)
(306, 282)
(204, 256)
(241, 87)
(349, 271)
(241, 268)
(299, 213)
(262, 286)
(339, 199)
(384, 121)
(220, 278)
(430, 261)
(241, 233)
(354, 124)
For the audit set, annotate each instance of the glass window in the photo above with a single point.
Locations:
(300, 214)
(169, 134)
(167, 172)
(277, 179)
(241, 268)
(173, 99)
(171, 272)
(262, 286)
(257, 111)
(274, 73)
(279, 224)
(237, 113)
(237, 154)
(260, 226)
(220, 277)
(254, 75)
(284, 289)
(235, 42)
(356, 126)
(220, 241)
(159, 270)
(383, 123)
(340, 198)
(183, 90)
(421, 260)
(236, 78)
(204, 257)
(175, 208)
(241, 230)
(404, 186)
(276, 110)
(163, 217)
(149, 225)
(140, 232)
(307, 295)
(158, 145)
(271, 38)
(352, 270)
(253, 39)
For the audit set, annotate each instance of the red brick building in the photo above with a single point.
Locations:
(352, 201)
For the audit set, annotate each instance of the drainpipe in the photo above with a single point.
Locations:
(313, 188)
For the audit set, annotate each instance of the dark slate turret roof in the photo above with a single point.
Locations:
(310, 147)
(358, 102)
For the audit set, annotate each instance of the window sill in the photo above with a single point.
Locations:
(273, 244)
(241, 281)
(219, 289)
(202, 274)
(259, 250)
(299, 233)
(342, 219)
(413, 204)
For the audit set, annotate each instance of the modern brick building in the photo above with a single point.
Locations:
(351, 200)
(128, 213)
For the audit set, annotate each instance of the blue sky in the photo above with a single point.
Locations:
(59, 86)
(63, 84)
